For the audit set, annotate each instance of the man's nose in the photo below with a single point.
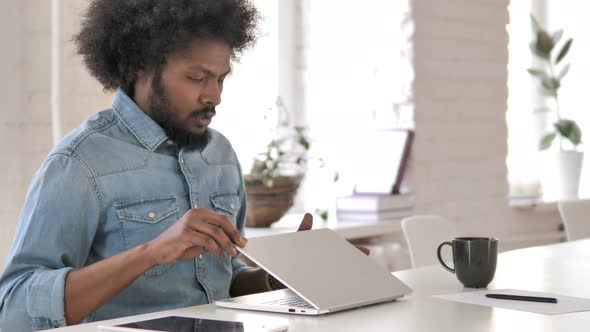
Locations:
(211, 95)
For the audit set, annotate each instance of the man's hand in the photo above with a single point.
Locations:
(197, 232)
(307, 223)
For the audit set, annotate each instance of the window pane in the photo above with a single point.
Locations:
(358, 80)
(250, 90)
(528, 119)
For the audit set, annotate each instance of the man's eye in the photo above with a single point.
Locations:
(195, 79)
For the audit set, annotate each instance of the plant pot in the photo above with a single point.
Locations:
(569, 170)
(267, 205)
(561, 177)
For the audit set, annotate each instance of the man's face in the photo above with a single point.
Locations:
(185, 91)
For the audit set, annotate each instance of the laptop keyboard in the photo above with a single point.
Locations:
(290, 301)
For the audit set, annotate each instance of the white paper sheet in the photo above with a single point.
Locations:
(564, 304)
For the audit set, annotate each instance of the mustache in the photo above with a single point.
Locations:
(207, 112)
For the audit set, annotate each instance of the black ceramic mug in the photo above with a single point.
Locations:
(474, 260)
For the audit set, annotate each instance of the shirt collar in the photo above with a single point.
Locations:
(146, 130)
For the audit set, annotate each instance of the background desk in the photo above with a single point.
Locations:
(348, 230)
(562, 268)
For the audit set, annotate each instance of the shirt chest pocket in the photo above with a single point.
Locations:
(143, 220)
(227, 204)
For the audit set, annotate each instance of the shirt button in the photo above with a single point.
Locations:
(201, 256)
(170, 142)
(152, 215)
(196, 206)
(231, 205)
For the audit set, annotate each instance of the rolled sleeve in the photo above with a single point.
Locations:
(45, 295)
(54, 236)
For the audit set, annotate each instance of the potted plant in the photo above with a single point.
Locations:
(565, 133)
(273, 180)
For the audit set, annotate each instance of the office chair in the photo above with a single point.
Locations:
(576, 218)
(424, 233)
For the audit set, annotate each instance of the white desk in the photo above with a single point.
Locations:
(562, 268)
(348, 230)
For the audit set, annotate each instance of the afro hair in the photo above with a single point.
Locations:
(119, 38)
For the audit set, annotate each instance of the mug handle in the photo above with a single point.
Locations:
(440, 257)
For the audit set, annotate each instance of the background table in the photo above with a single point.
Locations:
(348, 230)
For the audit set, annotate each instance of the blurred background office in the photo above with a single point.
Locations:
(452, 70)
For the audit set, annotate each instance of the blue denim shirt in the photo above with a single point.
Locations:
(110, 185)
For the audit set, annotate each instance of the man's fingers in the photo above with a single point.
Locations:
(365, 250)
(229, 229)
(204, 241)
(193, 252)
(215, 234)
(306, 223)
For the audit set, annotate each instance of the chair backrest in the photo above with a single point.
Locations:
(424, 233)
(576, 218)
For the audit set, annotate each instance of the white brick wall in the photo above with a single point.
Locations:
(460, 98)
(11, 120)
(82, 95)
(25, 122)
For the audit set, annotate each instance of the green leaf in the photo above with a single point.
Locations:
(564, 50)
(556, 37)
(544, 42)
(535, 51)
(537, 72)
(546, 141)
(547, 93)
(304, 142)
(564, 71)
(563, 127)
(551, 84)
(570, 130)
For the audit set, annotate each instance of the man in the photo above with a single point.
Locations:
(139, 209)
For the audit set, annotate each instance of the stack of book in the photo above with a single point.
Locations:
(371, 208)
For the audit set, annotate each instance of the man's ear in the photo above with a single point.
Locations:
(143, 78)
(141, 88)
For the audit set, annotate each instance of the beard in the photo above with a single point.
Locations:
(164, 114)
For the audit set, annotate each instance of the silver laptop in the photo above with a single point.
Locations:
(323, 272)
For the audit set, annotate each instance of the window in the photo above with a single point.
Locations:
(358, 79)
(343, 78)
(525, 163)
(251, 90)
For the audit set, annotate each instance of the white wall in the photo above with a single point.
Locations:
(12, 120)
(461, 96)
(82, 95)
(25, 115)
